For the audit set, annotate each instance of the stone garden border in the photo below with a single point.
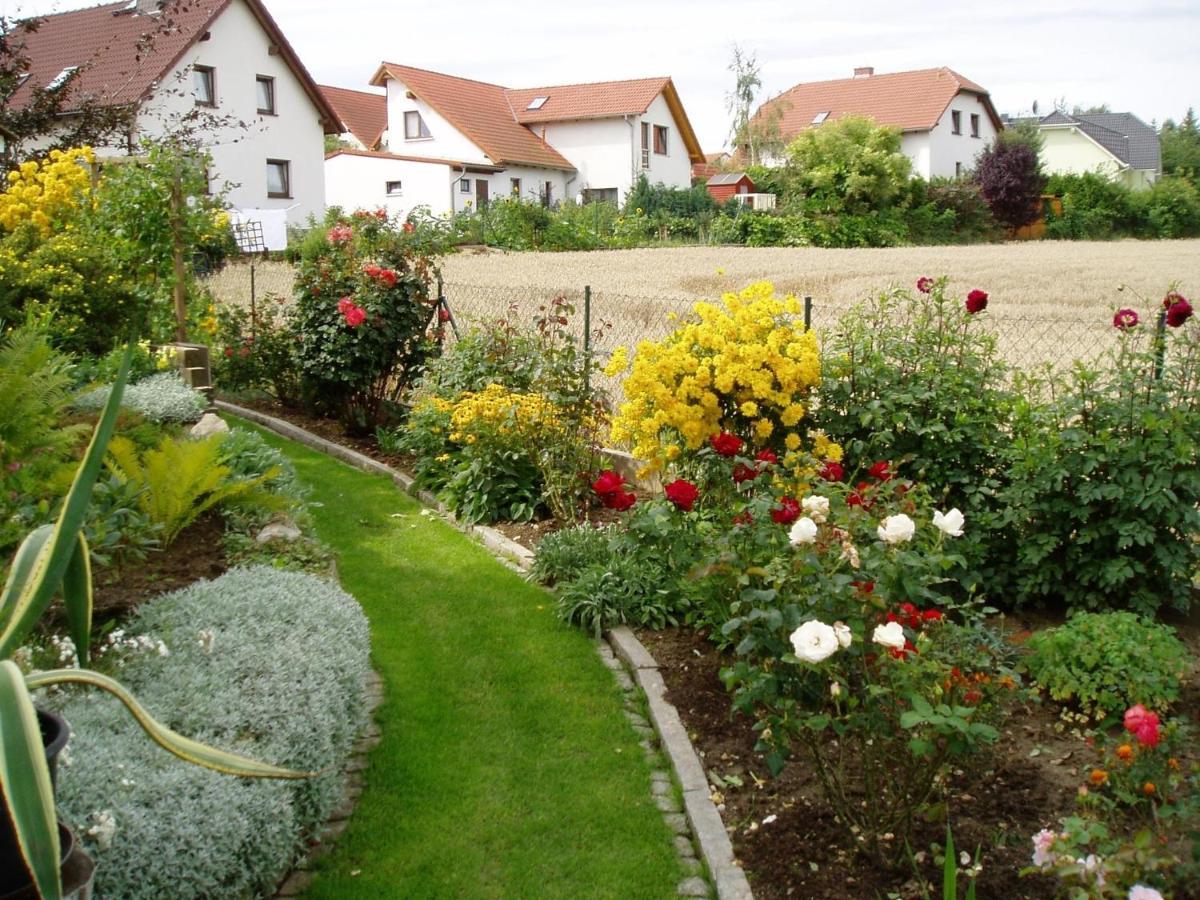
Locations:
(707, 827)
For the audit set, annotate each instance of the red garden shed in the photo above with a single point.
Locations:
(722, 187)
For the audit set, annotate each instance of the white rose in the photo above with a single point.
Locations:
(814, 641)
(835, 690)
(890, 635)
(816, 507)
(951, 523)
(897, 529)
(842, 631)
(803, 532)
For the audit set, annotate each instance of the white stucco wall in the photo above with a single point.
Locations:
(675, 168)
(947, 149)
(238, 52)
(445, 141)
(601, 149)
(915, 145)
(360, 182)
(1068, 151)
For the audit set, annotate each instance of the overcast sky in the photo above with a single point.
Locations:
(1139, 57)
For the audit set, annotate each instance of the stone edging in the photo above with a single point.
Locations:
(706, 825)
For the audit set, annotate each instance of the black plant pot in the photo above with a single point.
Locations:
(14, 876)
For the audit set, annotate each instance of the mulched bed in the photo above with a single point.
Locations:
(198, 552)
(804, 852)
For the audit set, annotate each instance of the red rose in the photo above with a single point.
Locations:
(726, 444)
(977, 301)
(1147, 733)
(354, 316)
(924, 284)
(620, 501)
(766, 456)
(229, 351)
(443, 314)
(409, 227)
(371, 270)
(881, 471)
(608, 483)
(972, 697)
(742, 472)
(743, 518)
(932, 615)
(832, 471)
(682, 493)
(863, 587)
(381, 214)
(858, 496)
(787, 512)
(388, 277)
(1172, 298)
(1125, 318)
(1179, 312)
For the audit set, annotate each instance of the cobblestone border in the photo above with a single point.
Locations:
(695, 821)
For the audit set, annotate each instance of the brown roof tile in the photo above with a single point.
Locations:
(362, 114)
(122, 56)
(480, 111)
(599, 100)
(910, 101)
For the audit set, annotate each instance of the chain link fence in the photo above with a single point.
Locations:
(618, 319)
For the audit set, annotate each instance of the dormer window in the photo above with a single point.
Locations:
(414, 127)
(60, 79)
(537, 102)
(820, 117)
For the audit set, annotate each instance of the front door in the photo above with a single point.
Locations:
(481, 193)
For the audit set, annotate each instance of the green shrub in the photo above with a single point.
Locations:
(562, 555)
(1094, 207)
(621, 591)
(948, 211)
(848, 165)
(270, 663)
(912, 378)
(262, 355)
(1170, 209)
(658, 200)
(1106, 662)
(1102, 480)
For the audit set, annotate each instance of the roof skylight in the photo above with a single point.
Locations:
(537, 102)
(820, 117)
(61, 78)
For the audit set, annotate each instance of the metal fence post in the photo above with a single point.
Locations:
(807, 312)
(587, 339)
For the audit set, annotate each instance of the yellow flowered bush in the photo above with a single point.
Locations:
(48, 195)
(744, 365)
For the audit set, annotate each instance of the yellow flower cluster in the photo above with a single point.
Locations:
(743, 365)
(497, 411)
(47, 195)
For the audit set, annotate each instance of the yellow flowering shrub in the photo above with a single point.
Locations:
(49, 194)
(744, 365)
(503, 415)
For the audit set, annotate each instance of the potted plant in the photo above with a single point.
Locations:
(54, 559)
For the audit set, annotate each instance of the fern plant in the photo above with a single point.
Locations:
(35, 392)
(180, 480)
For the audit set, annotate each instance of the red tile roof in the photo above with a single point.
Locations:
(362, 114)
(600, 100)
(499, 121)
(122, 56)
(910, 101)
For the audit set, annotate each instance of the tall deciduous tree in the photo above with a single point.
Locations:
(1181, 147)
(848, 165)
(1009, 175)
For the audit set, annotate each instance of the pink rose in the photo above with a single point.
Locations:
(1125, 318)
(924, 284)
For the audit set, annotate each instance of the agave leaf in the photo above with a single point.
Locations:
(183, 747)
(25, 781)
(25, 563)
(77, 598)
(32, 594)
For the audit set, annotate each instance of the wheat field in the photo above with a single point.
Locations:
(1051, 301)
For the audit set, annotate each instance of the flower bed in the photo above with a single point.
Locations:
(267, 663)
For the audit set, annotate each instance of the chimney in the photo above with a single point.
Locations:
(864, 71)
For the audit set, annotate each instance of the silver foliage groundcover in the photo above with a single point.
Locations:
(162, 398)
(268, 663)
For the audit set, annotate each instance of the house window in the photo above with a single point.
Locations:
(204, 85)
(516, 186)
(974, 124)
(279, 178)
(547, 193)
(207, 181)
(958, 170)
(414, 127)
(537, 102)
(660, 140)
(645, 145)
(600, 195)
(394, 188)
(464, 185)
(264, 86)
(955, 121)
(58, 80)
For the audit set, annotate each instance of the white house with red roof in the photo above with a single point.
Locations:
(945, 120)
(453, 144)
(262, 117)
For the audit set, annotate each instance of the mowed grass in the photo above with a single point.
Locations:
(506, 767)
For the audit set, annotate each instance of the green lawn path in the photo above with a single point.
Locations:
(506, 767)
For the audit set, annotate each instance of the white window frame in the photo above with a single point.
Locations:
(206, 75)
(421, 130)
(269, 81)
(393, 188)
